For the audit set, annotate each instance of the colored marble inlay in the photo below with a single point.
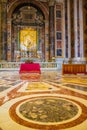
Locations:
(48, 110)
(3, 88)
(47, 104)
(77, 87)
(38, 86)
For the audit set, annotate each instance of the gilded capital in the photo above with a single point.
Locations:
(51, 2)
(3, 1)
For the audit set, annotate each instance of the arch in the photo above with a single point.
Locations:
(16, 5)
(35, 3)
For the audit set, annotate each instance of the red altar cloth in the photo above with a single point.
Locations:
(30, 68)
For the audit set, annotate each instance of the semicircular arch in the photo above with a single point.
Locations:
(35, 3)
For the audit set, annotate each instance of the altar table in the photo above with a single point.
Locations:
(30, 68)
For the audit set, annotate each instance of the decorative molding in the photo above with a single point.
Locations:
(3, 1)
(43, 0)
(59, 1)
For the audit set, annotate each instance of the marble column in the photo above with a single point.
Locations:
(0, 33)
(46, 50)
(81, 28)
(51, 30)
(64, 50)
(4, 29)
(69, 29)
(12, 43)
(76, 29)
(9, 39)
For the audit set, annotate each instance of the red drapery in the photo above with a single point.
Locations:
(30, 68)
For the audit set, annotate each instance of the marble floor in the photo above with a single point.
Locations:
(49, 101)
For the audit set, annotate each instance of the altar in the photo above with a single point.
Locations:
(30, 68)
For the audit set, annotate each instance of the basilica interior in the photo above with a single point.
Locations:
(43, 65)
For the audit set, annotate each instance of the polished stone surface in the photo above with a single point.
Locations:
(48, 109)
(49, 101)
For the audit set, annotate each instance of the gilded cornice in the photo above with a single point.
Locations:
(3, 1)
(31, 0)
(60, 1)
(51, 2)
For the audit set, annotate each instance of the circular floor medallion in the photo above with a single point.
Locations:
(49, 112)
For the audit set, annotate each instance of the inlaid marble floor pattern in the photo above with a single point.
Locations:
(50, 101)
